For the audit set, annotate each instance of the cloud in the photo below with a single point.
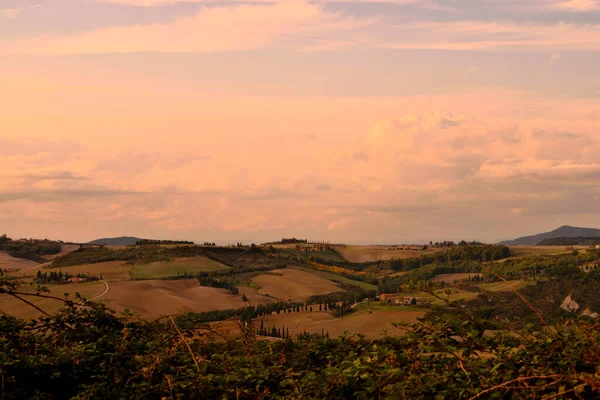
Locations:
(482, 35)
(52, 176)
(135, 163)
(305, 25)
(578, 5)
(31, 146)
(228, 27)
(554, 59)
(14, 13)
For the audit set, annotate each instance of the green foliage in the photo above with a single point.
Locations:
(53, 277)
(480, 253)
(89, 352)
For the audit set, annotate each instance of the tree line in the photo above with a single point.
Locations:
(60, 278)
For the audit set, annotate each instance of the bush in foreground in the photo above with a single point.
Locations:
(85, 351)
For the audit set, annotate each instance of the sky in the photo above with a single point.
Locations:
(355, 121)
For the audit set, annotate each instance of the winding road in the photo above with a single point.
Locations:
(106, 289)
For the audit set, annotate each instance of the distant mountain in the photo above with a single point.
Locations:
(118, 241)
(562, 232)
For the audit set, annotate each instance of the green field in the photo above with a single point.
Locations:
(504, 286)
(454, 295)
(338, 278)
(180, 266)
(379, 306)
(524, 251)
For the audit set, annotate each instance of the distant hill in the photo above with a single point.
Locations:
(118, 241)
(565, 231)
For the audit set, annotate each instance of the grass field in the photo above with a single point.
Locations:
(361, 254)
(504, 286)
(294, 284)
(524, 251)
(454, 295)
(371, 324)
(337, 278)
(110, 271)
(154, 298)
(11, 305)
(453, 277)
(180, 266)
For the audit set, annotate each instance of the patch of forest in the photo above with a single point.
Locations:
(238, 258)
(29, 249)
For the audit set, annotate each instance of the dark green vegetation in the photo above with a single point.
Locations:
(244, 314)
(29, 249)
(571, 241)
(154, 241)
(59, 278)
(86, 351)
(564, 231)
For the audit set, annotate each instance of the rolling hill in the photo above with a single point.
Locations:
(565, 231)
(118, 241)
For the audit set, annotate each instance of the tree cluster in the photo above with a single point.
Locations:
(60, 278)
(146, 242)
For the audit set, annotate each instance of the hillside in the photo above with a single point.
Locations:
(565, 231)
(117, 241)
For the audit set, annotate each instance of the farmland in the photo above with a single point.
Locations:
(8, 262)
(11, 305)
(337, 278)
(154, 298)
(110, 270)
(179, 266)
(370, 323)
(294, 284)
(361, 254)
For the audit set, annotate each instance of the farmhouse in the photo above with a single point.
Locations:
(77, 280)
(389, 297)
(394, 298)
